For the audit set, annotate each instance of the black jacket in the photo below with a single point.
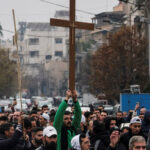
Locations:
(146, 123)
(100, 138)
(119, 146)
(126, 137)
(9, 143)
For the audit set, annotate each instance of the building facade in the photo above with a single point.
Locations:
(40, 42)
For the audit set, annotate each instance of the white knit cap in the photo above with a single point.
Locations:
(75, 142)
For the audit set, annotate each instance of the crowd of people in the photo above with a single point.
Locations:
(44, 129)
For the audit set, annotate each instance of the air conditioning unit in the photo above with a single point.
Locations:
(135, 89)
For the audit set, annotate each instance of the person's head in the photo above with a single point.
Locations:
(33, 114)
(84, 142)
(110, 122)
(44, 108)
(46, 112)
(94, 116)
(67, 119)
(27, 125)
(82, 123)
(124, 130)
(88, 116)
(52, 117)
(101, 108)
(37, 135)
(7, 130)
(124, 114)
(3, 120)
(143, 110)
(99, 128)
(141, 116)
(114, 129)
(33, 122)
(103, 115)
(119, 115)
(16, 115)
(135, 125)
(115, 132)
(97, 112)
(137, 143)
(44, 119)
(50, 138)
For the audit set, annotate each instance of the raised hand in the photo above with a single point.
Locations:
(68, 94)
(114, 138)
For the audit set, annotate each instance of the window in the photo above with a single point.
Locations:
(58, 40)
(48, 57)
(34, 53)
(20, 48)
(34, 41)
(58, 53)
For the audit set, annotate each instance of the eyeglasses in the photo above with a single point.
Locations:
(139, 147)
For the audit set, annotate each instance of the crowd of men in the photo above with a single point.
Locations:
(44, 129)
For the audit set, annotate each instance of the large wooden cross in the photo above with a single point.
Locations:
(72, 24)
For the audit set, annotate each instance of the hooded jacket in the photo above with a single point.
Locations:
(75, 142)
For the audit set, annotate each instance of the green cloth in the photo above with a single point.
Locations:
(58, 122)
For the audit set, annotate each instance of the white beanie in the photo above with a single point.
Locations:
(46, 116)
(75, 142)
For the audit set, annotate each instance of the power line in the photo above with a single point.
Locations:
(9, 31)
(34, 35)
(86, 12)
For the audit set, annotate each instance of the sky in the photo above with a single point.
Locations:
(43, 10)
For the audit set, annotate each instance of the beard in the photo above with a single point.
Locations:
(50, 146)
(69, 124)
(15, 121)
(38, 142)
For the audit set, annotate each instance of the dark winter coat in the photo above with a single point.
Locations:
(146, 123)
(119, 146)
(100, 139)
(9, 143)
(120, 121)
(126, 137)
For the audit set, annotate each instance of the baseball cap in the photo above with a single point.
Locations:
(45, 116)
(135, 120)
(49, 131)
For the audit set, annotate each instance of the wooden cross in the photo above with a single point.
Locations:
(72, 24)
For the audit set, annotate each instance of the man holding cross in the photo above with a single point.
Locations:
(63, 123)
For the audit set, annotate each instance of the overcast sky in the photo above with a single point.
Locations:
(40, 11)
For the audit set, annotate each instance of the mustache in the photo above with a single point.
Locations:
(69, 123)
